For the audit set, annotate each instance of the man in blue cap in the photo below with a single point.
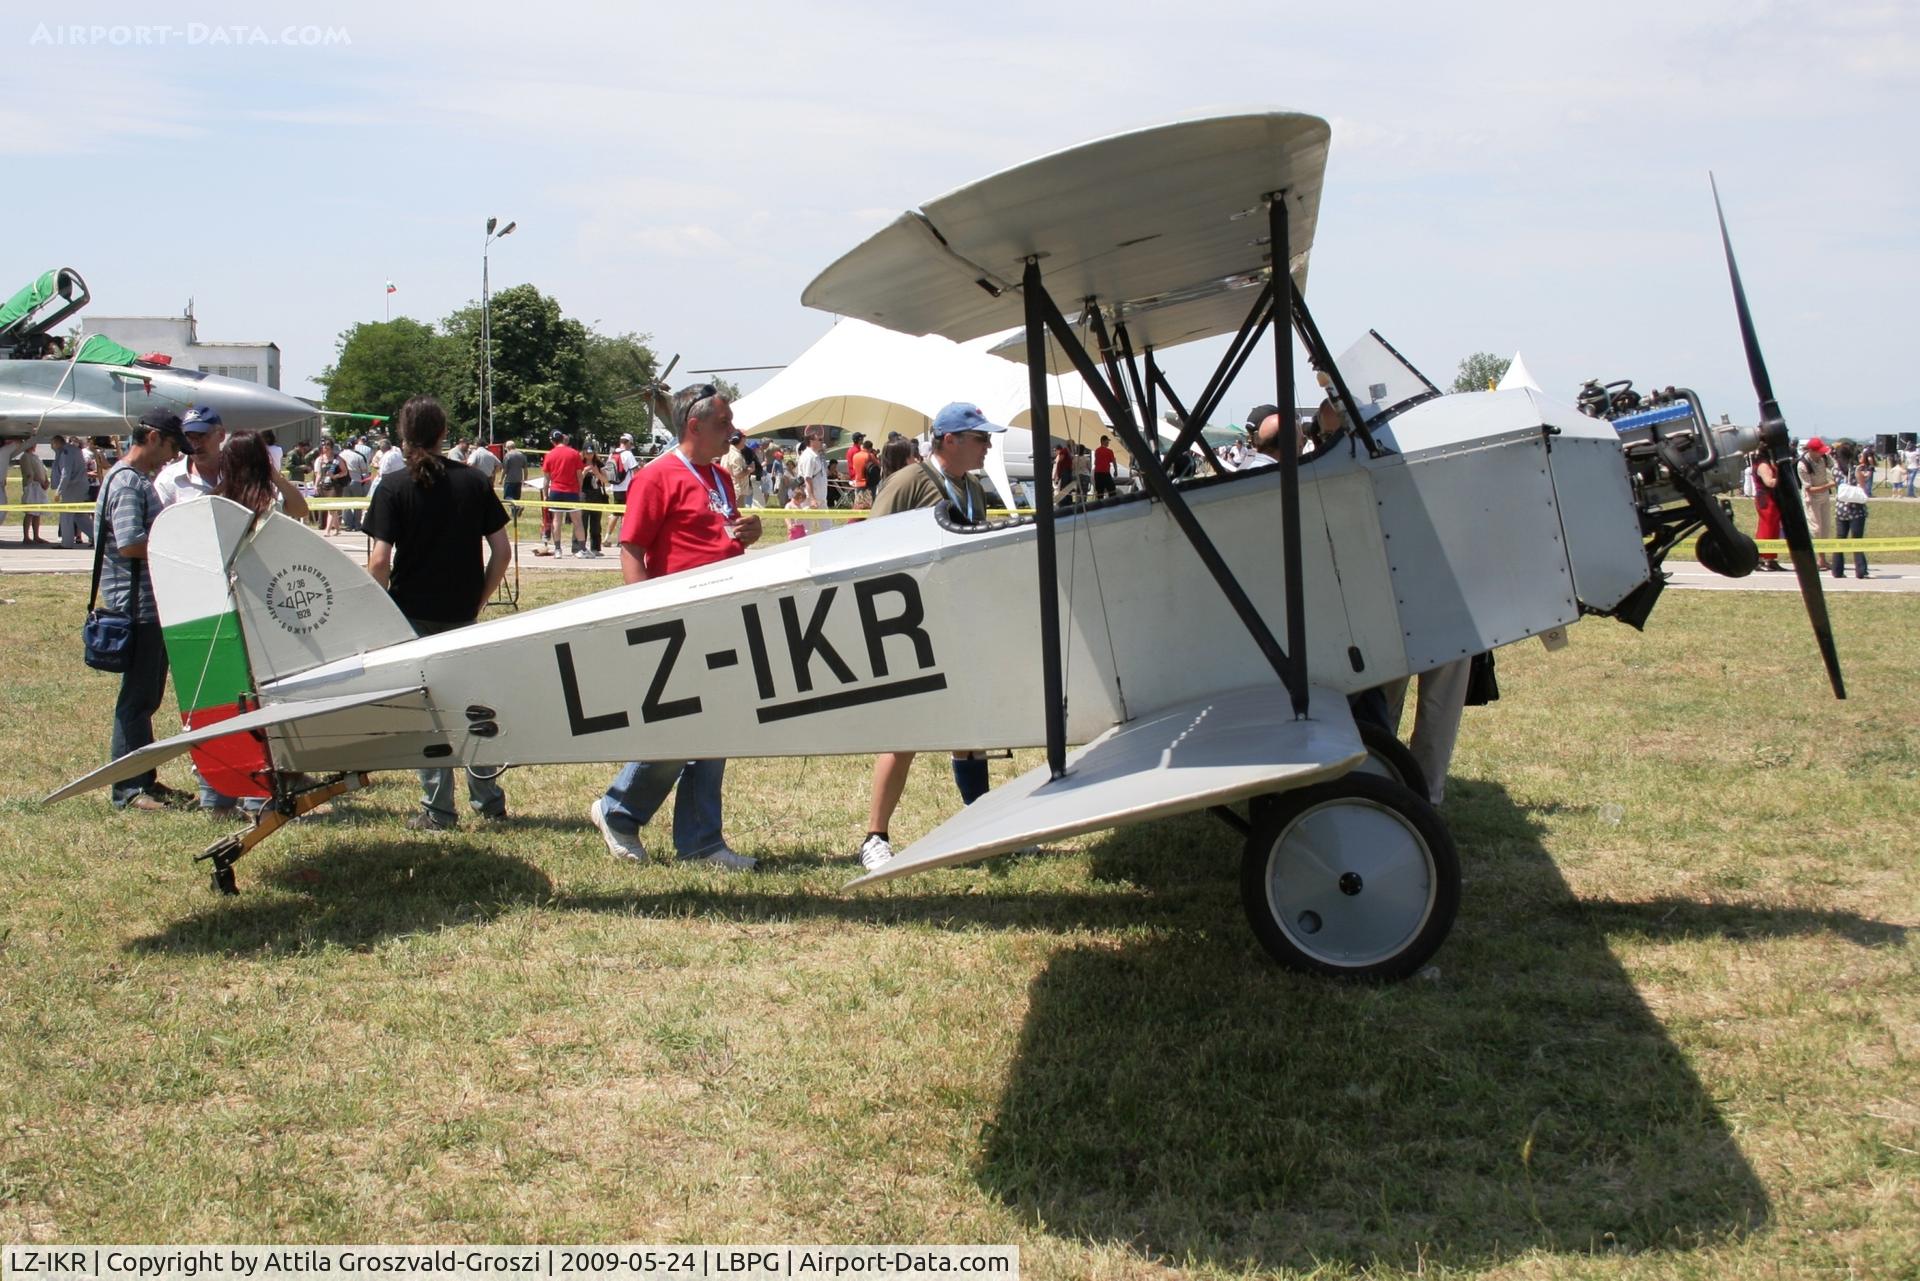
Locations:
(961, 438)
(196, 473)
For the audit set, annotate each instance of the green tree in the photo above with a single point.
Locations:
(540, 377)
(380, 365)
(619, 368)
(1480, 371)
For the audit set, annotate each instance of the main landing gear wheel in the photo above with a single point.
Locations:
(1356, 878)
(1388, 758)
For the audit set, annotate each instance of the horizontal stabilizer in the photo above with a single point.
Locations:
(1210, 751)
(138, 762)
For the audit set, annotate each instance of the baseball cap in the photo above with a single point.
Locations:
(961, 416)
(626, 438)
(1259, 414)
(557, 436)
(166, 422)
(1818, 446)
(199, 419)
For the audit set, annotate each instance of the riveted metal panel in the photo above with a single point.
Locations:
(1474, 546)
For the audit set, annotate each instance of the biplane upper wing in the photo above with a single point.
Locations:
(1209, 751)
(143, 759)
(1165, 226)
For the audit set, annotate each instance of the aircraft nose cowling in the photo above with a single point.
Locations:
(246, 406)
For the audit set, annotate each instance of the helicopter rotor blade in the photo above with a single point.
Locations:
(1779, 446)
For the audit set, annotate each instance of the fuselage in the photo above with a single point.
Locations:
(1498, 517)
(49, 397)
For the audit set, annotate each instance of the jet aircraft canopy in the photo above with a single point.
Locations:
(21, 316)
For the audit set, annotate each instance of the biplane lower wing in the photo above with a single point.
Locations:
(145, 758)
(1210, 751)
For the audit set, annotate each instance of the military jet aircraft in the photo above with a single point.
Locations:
(101, 388)
(1201, 644)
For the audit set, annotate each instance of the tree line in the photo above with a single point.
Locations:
(549, 370)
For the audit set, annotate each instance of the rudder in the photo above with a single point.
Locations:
(245, 604)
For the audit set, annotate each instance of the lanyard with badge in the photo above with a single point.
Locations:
(716, 494)
(963, 506)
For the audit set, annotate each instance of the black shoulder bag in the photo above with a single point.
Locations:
(108, 634)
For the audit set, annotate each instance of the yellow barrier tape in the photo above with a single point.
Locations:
(1773, 545)
(1847, 545)
(349, 504)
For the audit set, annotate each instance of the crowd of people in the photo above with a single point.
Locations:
(1835, 481)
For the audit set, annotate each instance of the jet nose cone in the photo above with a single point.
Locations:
(246, 406)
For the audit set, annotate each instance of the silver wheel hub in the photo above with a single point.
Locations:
(1350, 882)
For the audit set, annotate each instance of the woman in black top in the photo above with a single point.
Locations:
(593, 489)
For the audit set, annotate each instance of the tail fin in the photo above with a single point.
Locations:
(245, 604)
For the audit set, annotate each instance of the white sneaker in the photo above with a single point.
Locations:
(619, 844)
(875, 851)
(724, 857)
(581, 554)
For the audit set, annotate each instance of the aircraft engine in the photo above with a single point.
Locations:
(1680, 465)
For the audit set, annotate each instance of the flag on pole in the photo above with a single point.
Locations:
(391, 287)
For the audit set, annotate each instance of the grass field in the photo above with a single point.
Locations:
(1674, 1032)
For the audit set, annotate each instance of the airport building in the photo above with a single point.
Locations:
(178, 337)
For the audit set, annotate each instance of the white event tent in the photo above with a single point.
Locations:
(1517, 375)
(860, 377)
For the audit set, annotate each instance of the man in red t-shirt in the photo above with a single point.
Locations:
(562, 466)
(1103, 469)
(857, 459)
(681, 514)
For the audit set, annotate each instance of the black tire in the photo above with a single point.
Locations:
(1314, 920)
(1729, 560)
(1388, 758)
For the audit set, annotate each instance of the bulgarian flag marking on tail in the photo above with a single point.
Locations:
(211, 678)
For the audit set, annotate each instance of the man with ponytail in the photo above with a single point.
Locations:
(428, 524)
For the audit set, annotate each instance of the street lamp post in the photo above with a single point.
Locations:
(486, 328)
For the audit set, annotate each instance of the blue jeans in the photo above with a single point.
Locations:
(142, 686)
(640, 788)
(211, 798)
(484, 792)
(1913, 474)
(1850, 527)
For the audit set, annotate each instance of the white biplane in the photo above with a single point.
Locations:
(1213, 672)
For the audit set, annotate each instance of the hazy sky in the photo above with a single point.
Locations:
(1503, 176)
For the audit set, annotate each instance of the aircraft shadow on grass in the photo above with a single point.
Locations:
(1185, 1098)
(358, 894)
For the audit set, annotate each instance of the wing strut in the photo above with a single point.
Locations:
(1290, 670)
(1052, 688)
(1242, 346)
(1289, 465)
